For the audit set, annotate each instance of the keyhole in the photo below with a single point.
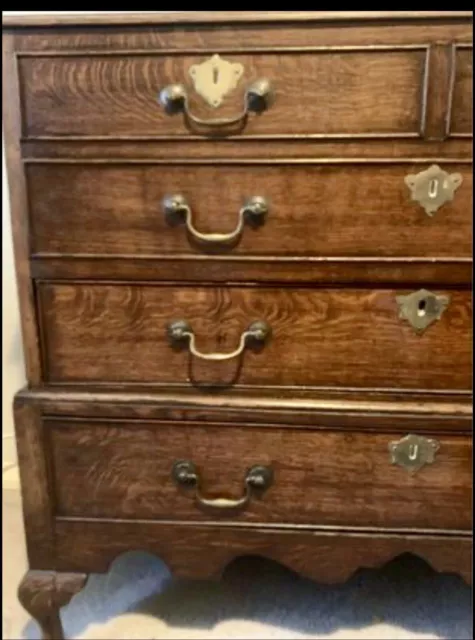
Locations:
(433, 188)
(215, 75)
(413, 451)
(421, 308)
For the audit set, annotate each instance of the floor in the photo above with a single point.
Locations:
(256, 599)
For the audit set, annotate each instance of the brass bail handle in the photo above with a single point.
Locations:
(257, 480)
(180, 333)
(257, 99)
(177, 211)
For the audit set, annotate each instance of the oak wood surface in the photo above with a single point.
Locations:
(43, 593)
(216, 17)
(11, 111)
(361, 99)
(123, 470)
(323, 556)
(35, 484)
(316, 210)
(263, 38)
(462, 93)
(197, 268)
(95, 332)
(336, 409)
(364, 92)
(242, 150)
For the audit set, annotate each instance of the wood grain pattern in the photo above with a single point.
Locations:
(438, 97)
(197, 268)
(326, 210)
(335, 409)
(19, 211)
(462, 110)
(123, 470)
(228, 38)
(331, 93)
(110, 404)
(330, 337)
(326, 557)
(35, 484)
(128, 149)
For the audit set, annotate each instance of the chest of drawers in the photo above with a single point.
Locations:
(243, 252)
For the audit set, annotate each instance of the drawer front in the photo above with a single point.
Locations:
(326, 337)
(364, 210)
(367, 90)
(127, 470)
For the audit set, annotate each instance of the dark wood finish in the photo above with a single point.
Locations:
(11, 111)
(406, 272)
(43, 593)
(123, 470)
(112, 96)
(242, 150)
(227, 17)
(334, 409)
(323, 556)
(326, 337)
(441, 63)
(254, 37)
(362, 99)
(35, 484)
(111, 210)
(462, 91)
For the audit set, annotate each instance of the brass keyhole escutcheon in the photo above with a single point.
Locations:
(433, 187)
(214, 78)
(421, 308)
(413, 452)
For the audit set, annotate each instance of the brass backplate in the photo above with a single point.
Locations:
(433, 187)
(214, 78)
(413, 452)
(421, 308)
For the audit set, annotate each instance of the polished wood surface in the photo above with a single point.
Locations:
(314, 210)
(320, 478)
(326, 337)
(463, 93)
(373, 92)
(43, 593)
(217, 17)
(323, 556)
(412, 273)
(361, 100)
(336, 409)
(11, 113)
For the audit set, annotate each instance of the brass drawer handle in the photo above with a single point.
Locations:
(257, 99)
(178, 211)
(257, 480)
(180, 333)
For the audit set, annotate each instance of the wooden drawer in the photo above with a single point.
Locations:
(338, 337)
(313, 210)
(368, 90)
(124, 470)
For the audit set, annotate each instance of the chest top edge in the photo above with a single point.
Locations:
(224, 17)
